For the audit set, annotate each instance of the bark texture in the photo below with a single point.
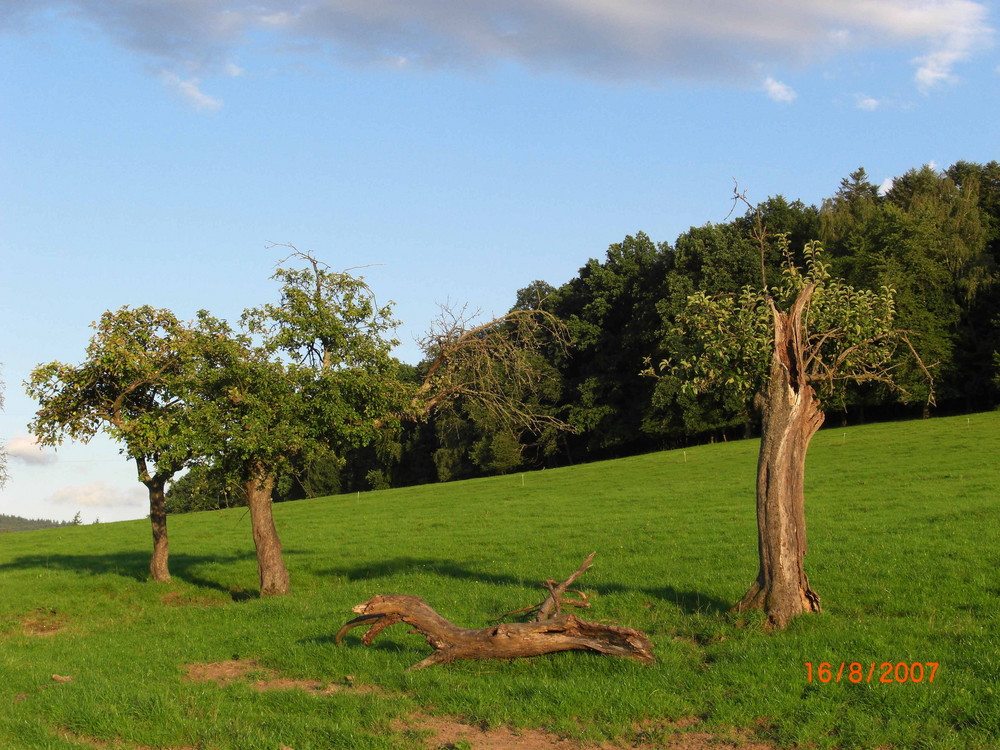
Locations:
(549, 631)
(270, 565)
(158, 564)
(561, 632)
(790, 417)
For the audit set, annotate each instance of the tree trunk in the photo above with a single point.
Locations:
(158, 519)
(155, 483)
(790, 417)
(270, 565)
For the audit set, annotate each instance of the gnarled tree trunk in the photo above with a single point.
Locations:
(791, 416)
(158, 566)
(270, 565)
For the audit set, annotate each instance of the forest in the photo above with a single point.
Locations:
(933, 237)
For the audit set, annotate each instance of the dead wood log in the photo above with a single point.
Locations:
(549, 632)
(562, 632)
(556, 599)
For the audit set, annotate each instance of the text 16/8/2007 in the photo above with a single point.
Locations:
(886, 672)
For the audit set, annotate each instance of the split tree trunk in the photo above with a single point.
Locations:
(158, 566)
(790, 417)
(270, 565)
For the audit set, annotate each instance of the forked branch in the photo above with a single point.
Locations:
(550, 631)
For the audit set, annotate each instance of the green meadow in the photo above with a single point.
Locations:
(904, 550)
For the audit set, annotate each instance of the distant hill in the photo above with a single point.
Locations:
(16, 523)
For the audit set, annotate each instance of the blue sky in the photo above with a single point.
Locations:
(150, 150)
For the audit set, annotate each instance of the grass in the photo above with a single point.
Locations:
(904, 526)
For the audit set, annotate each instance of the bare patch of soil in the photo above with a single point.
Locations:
(114, 744)
(446, 733)
(264, 678)
(671, 736)
(42, 622)
(177, 599)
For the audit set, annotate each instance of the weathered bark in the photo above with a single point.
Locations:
(548, 632)
(158, 566)
(555, 600)
(562, 632)
(158, 563)
(790, 417)
(270, 565)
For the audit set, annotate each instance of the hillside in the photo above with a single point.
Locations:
(903, 550)
(16, 523)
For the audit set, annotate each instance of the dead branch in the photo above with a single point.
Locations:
(549, 631)
(553, 603)
(561, 632)
(497, 365)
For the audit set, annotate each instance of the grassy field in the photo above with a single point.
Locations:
(904, 524)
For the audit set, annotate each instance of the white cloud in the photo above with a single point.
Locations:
(190, 91)
(778, 91)
(26, 448)
(868, 103)
(647, 40)
(99, 495)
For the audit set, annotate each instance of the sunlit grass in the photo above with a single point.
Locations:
(904, 526)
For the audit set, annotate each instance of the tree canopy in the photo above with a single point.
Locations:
(134, 385)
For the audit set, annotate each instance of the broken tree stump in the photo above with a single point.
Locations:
(550, 632)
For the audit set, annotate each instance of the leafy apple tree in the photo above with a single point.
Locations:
(133, 385)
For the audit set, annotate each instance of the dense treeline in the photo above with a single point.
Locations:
(10, 524)
(932, 236)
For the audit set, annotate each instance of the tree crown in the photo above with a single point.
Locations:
(846, 335)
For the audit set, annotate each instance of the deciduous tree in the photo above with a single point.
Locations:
(318, 377)
(310, 374)
(133, 386)
(787, 349)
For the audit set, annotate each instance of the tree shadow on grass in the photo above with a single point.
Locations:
(689, 602)
(354, 639)
(135, 566)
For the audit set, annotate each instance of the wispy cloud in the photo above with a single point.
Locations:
(190, 91)
(778, 91)
(25, 448)
(720, 40)
(954, 36)
(98, 495)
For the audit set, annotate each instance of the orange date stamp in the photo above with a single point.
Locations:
(886, 672)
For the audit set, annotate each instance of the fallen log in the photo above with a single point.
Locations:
(550, 632)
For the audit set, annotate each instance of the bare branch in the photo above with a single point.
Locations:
(498, 365)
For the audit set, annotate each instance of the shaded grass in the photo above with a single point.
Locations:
(904, 529)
